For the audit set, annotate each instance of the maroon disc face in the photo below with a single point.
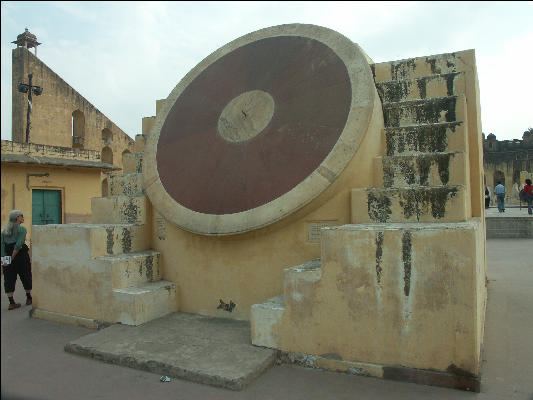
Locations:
(253, 125)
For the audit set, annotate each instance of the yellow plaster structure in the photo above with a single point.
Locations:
(425, 210)
(76, 174)
(379, 271)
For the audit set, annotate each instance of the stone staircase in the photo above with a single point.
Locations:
(116, 277)
(387, 281)
(421, 180)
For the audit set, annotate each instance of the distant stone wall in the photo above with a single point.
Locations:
(510, 162)
(58, 109)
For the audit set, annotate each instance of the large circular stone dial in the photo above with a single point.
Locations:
(258, 129)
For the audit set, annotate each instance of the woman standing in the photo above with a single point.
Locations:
(528, 196)
(13, 238)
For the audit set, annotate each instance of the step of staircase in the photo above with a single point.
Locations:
(266, 320)
(140, 142)
(125, 184)
(439, 64)
(420, 88)
(91, 240)
(386, 250)
(410, 204)
(142, 303)
(298, 280)
(132, 163)
(423, 169)
(133, 269)
(266, 317)
(119, 209)
(429, 111)
(426, 138)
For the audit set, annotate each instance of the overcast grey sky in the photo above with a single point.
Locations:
(122, 56)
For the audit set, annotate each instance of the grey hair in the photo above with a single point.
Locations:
(12, 222)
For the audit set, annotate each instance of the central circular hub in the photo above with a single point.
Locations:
(246, 116)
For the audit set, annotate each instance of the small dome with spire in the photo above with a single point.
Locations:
(27, 40)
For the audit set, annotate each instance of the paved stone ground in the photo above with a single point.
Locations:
(34, 364)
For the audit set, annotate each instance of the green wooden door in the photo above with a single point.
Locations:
(46, 207)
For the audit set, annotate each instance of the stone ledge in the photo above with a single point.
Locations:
(423, 66)
(424, 111)
(453, 377)
(439, 137)
(409, 204)
(63, 162)
(67, 319)
(417, 88)
(424, 169)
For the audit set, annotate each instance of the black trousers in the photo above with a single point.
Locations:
(20, 265)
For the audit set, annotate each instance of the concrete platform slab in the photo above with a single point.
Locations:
(213, 351)
(514, 223)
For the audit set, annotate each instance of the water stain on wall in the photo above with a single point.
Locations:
(126, 240)
(379, 207)
(110, 240)
(406, 258)
(379, 254)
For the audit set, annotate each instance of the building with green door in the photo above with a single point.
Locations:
(50, 184)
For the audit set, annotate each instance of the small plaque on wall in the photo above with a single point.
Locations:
(160, 227)
(313, 229)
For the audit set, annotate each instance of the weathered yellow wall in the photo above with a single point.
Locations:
(431, 326)
(51, 118)
(77, 186)
(248, 268)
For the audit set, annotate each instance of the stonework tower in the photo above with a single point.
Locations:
(47, 171)
(60, 116)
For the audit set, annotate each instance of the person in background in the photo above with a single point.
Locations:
(499, 191)
(528, 195)
(13, 245)
(487, 197)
